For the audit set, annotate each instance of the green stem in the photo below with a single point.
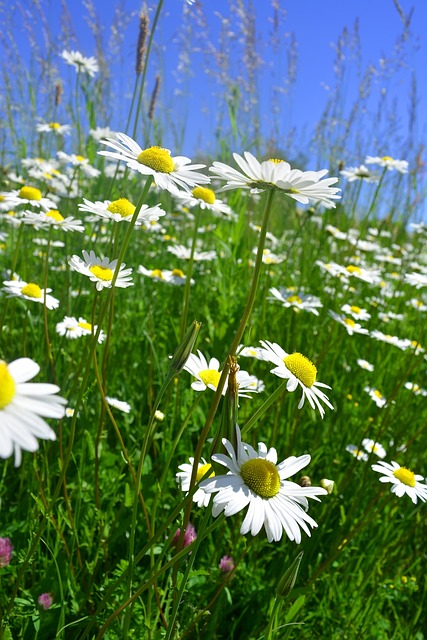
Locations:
(187, 289)
(263, 408)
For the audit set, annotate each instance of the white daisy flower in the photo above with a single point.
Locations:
(81, 162)
(180, 251)
(122, 210)
(29, 291)
(255, 480)
(364, 364)
(268, 257)
(50, 218)
(404, 481)
(373, 276)
(118, 404)
(207, 375)
(251, 352)
(72, 329)
(355, 312)
(376, 396)
(374, 447)
(28, 195)
(359, 173)
(184, 478)
(303, 186)
(101, 270)
(350, 324)
(101, 132)
(401, 343)
(170, 173)
(417, 280)
(54, 127)
(299, 372)
(174, 276)
(389, 163)
(356, 452)
(81, 63)
(23, 405)
(420, 305)
(415, 388)
(205, 199)
(296, 299)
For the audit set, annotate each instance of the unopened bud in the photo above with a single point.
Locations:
(327, 484)
(185, 348)
(287, 582)
(305, 481)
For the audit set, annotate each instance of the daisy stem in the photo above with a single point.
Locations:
(374, 200)
(264, 407)
(184, 313)
(46, 327)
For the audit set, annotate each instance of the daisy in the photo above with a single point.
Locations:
(29, 291)
(356, 452)
(251, 352)
(350, 325)
(81, 63)
(359, 173)
(54, 127)
(384, 337)
(355, 312)
(23, 406)
(174, 276)
(50, 218)
(80, 162)
(118, 404)
(297, 300)
(373, 276)
(29, 196)
(268, 257)
(415, 388)
(180, 251)
(417, 280)
(72, 329)
(184, 477)
(170, 173)
(420, 305)
(303, 186)
(376, 396)
(122, 210)
(101, 132)
(374, 447)
(299, 371)
(403, 480)
(101, 270)
(205, 199)
(255, 480)
(207, 375)
(388, 163)
(364, 364)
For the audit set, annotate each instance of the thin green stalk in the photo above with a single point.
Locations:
(264, 407)
(184, 312)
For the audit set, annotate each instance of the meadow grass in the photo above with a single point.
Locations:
(107, 543)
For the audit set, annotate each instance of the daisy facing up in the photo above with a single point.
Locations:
(54, 127)
(121, 210)
(101, 270)
(296, 299)
(403, 480)
(72, 329)
(350, 325)
(30, 291)
(255, 480)
(299, 372)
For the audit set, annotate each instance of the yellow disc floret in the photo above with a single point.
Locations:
(355, 309)
(202, 470)
(349, 322)
(30, 193)
(54, 125)
(387, 159)
(302, 368)
(157, 273)
(261, 476)
(294, 300)
(7, 386)
(85, 325)
(275, 160)
(210, 377)
(351, 268)
(54, 213)
(122, 206)
(31, 290)
(406, 476)
(157, 159)
(103, 273)
(178, 273)
(205, 194)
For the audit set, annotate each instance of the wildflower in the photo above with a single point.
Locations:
(404, 481)
(205, 198)
(415, 388)
(296, 299)
(184, 477)
(356, 452)
(23, 406)
(30, 291)
(101, 270)
(79, 162)
(28, 195)
(180, 251)
(6, 549)
(372, 276)
(299, 371)
(122, 210)
(50, 218)
(364, 364)
(268, 257)
(327, 484)
(207, 375)
(189, 536)
(255, 479)
(174, 276)
(394, 340)
(303, 186)
(72, 328)
(168, 172)
(350, 325)
(226, 564)
(356, 312)
(80, 62)
(419, 305)
(374, 447)
(159, 415)
(388, 163)
(118, 404)
(45, 600)
(252, 352)
(376, 396)
(54, 127)
(417, 280)
(101, 132)
(359, 173)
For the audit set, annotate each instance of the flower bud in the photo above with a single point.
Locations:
(287, 582)
(327, 484)
(185, 348)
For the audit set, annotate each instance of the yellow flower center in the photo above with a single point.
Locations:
(350, 322)
(54, 125)
(157, 159)
(30, 193)
(122, 206)
(261, 476)
(210, 377)
(32, 290)
(54, 213)
(205, 194)
(157, 273)
(103, 273)
(178, 273)
(2, 198)
(378, 393)
(406, 476)
(296, 299)
(387, 159)
(7, 386)
(85, 325)
(355, 310)
(202, 470)
(302, 368)
(81, 159)
(351, 268)
(275, 160)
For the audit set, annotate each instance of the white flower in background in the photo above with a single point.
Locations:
(174, 276)
(207, 375)
(255, 480)
(355, 312)
(388, 163)
(251, 352)
(373, 276)
(72, 328)
(23, 405)
(300, 372)
(417, 280)
(205, 198)
(29, 291)
(54, 127)
(183, 477)
(122, 210)
(356, 452)
(359, 173)
(364, 364)
(180, 251)
(79, 162)
(118, 404)
(376, 396)
(373, 447)
(168, 172)
(350, 325)
(101, 270)
(268, 257)
(420, 305)
(28, 195)
(403, 480)
(415, 388)
(296, 299)
(101, 132)
(52, 218)
(81, 63)
(401, 343)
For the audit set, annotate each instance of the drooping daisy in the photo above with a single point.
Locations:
(29, 291)
(81, 63)
(296, 299)
(205, 198)
(54, 127)
(183, 477)
(72, 329)
(180, 251)
(101, 270)
(303, 186)
(359, 454)
(174, 276)
(376, 396)
(122, 210)
(388, 163)
(359, 173)
(207, 375)
(23, 405)
(375, 447)
(404, 481)
(28, 195)
(118, 404)
(299, 372)
(350, 325)
(170, 173)
(50, 218)
(255, 480)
